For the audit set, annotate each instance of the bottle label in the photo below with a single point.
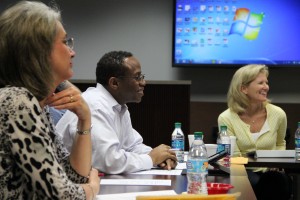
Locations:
(197, 166)
(179, 155)
(297, 142)
(223, 147)
(178, 144)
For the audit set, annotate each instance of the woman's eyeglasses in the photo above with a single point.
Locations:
(70, 43)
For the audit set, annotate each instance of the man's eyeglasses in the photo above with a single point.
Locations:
(140, 77)
(70, 43)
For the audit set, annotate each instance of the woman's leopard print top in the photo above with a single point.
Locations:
(33, 162)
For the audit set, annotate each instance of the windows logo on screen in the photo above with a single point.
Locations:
(246, 24)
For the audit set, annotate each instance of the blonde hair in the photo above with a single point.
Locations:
(27, 34)
(237, 101)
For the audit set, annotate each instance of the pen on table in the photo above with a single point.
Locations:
(101, 174)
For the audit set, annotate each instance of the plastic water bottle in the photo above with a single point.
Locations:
(178, 142)
(197, 166)
(223, 143)
(297, 143)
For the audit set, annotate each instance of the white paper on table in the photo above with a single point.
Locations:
(181, 166)
(160, 172)
(135, 182)
(133, 195)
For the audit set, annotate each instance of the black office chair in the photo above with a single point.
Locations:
(215, 133)
(287, 136)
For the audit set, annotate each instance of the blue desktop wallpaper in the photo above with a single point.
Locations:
(236, 32)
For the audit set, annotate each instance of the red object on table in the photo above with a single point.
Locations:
(218, 188)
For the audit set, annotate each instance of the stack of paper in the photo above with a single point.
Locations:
(238, 160)
(275, 153)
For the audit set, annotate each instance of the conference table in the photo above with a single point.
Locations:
(286, 163)
(290, 166)
(235, 175)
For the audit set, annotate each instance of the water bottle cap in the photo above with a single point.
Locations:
(198, 134)
(223, 127)
(177, 125)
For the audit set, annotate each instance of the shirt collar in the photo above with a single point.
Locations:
(111, 100)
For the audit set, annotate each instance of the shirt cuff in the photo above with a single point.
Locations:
(147, 164)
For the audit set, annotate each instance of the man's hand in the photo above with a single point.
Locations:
(163, 157)
(168, 164)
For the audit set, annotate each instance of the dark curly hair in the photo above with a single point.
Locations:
(111, 65)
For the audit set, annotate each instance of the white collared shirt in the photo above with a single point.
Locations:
(117, 146)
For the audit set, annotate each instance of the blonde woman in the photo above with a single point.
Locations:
(256, 123)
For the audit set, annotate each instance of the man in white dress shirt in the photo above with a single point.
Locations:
(117, 146)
